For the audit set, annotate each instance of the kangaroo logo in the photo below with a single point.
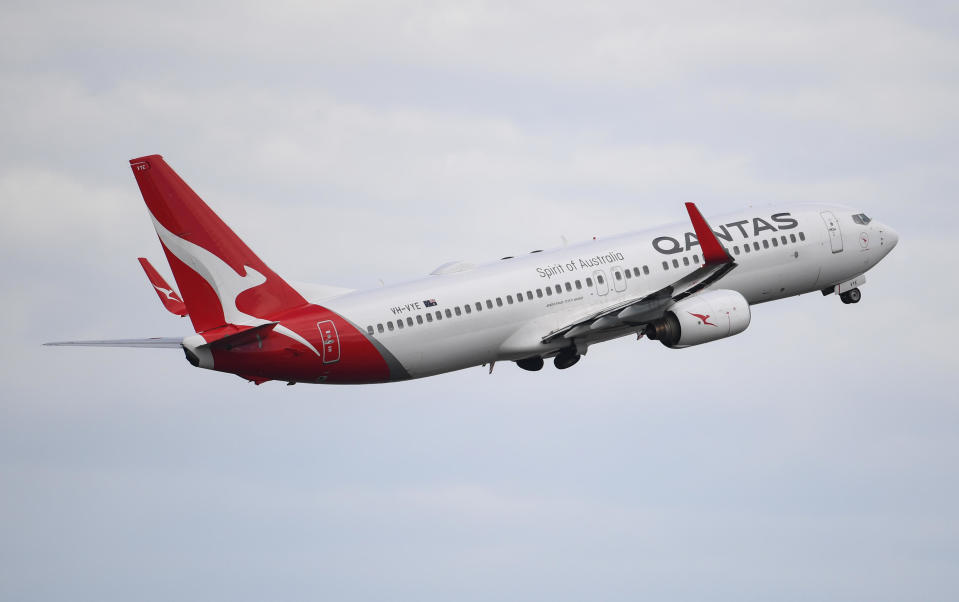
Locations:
(702, 318)
(168, 293)
(223, 280)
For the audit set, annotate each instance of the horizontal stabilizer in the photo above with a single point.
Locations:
(152, 343)
(244, 337)
(169, 297)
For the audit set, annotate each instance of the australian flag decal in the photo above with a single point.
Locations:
(429, 302)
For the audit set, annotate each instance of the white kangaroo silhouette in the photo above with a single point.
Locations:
(224, 280)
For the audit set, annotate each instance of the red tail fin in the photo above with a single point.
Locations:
(222, 281)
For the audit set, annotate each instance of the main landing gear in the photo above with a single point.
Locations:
(564, 360)
(531, 363)
(851, 296)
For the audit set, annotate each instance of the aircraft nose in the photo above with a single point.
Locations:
(889, 238)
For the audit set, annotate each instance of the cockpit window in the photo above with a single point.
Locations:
(861, 218)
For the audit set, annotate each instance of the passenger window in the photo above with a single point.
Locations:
(579, 285)
(409, 321)
(539, 292)
(636, 272)
(519, 297)
(439, 315)
(765, 244)
(467, 308)
(449, 314)
(419, 319)
(389, 326)
(617, 275)
(456, 310)
(379, 328)
(695, 259)
(569, 287)
(549, 291)
(665, 265)
(479, 306)
(509, 299)
(775, 242)
(589, 282)
(399, 323)
(646, 270)
(600, 279)
(784, 239)
(499, 302)
(369, 329)
(802, 236)
(675, 263)
(746, 248)
(755, 246)
(559, 289)
(792, 237)
(429, 317)
(529, 295)
(736, 249)
(685, 260)
(489, 304)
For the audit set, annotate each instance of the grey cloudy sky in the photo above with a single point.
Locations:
(812, 457)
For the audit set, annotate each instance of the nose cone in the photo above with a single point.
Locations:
(889, 238)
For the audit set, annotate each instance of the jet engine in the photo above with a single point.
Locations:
(702, 318)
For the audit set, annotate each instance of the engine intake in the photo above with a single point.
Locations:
(702, 318)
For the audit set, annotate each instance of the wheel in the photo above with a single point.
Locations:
(531, 363)
(851, 296)
(565, 359)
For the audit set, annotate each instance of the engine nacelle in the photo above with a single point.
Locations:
(702, 318)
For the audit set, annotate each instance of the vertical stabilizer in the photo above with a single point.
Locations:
(220, 279)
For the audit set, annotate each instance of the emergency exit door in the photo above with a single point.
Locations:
(835, 232)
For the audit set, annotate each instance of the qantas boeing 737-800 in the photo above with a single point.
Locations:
(677, 284)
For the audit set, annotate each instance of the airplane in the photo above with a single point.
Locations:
(683, 284)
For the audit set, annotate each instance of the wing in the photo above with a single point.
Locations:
(638, 311)
(152, 343)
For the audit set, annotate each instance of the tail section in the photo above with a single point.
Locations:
(222, 281)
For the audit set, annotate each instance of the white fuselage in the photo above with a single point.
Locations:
(503, 310)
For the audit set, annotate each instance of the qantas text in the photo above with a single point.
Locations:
(746, 228)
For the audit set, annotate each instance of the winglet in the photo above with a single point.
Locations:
(713, 252)
(169, 297)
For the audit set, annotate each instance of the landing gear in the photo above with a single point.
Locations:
(851, 296)
(531, 363)
(565, 359)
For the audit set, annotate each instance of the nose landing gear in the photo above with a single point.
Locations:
(851, 296)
